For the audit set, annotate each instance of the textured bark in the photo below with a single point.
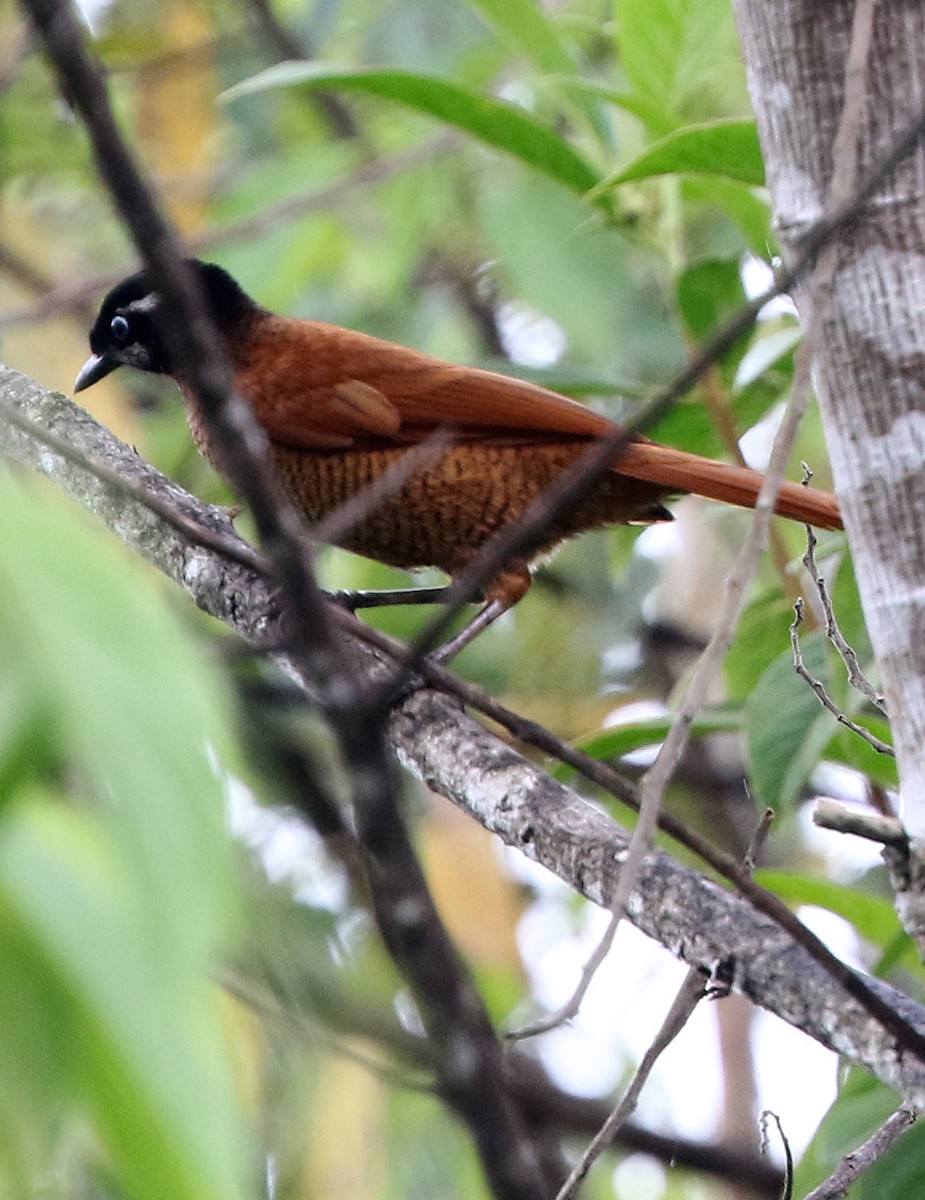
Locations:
(870, 360)
(696, 920)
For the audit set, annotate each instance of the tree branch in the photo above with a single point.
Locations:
(468, 1056)
(692, 917)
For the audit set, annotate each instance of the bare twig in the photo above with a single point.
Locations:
(820, 691)
(240, 598)
(468, 1059)
(853, 1164)
(690, 994)
(765, 1119)
(856, 676)
(570, 1008)
(887, 831)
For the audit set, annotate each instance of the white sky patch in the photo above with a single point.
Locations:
(530, 338)
(757, 277)
(626, 1004)
(95, 12)
(289, 850)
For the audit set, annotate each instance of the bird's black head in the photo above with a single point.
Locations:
(127, 330)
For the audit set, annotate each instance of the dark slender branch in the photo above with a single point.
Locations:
(73, 297)
(514, 799)
(846, 652)
(284, 45)
(523, 535)
(764, 1122)
(819, 690)
(468, 1058)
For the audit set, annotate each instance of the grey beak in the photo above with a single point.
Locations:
(96, 367)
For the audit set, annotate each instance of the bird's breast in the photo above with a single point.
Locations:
(437, 509)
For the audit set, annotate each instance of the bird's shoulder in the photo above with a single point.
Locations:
(322, 386)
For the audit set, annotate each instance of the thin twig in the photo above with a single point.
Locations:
(568, 1010)
(856, 676)
(871, 1151)
(657, 778)
(764, 1120)
(875, 827)
(691, 992)
(689, 995)
(818, 687)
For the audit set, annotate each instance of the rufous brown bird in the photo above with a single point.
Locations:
(341, 408)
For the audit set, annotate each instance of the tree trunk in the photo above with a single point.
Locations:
(869, 367)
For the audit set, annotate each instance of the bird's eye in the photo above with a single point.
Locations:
(119, 328)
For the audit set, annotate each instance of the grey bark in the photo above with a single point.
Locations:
(696, 920)
(870, 361)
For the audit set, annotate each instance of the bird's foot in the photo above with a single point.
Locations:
(384, 598)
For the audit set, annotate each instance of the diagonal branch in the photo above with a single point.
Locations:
(694, 919)
(467, 1053)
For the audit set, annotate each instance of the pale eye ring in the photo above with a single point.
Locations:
(119, 328)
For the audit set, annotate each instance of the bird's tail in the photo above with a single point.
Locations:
(719, 481)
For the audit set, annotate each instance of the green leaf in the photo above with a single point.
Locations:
(873, 917)
(159, 1088)
(117, 894)
(494, 122)
(625, 739)
(528, 31)
(727, 148)
(681, 57)
(133, 705)
(786, 729)
(862, 1105)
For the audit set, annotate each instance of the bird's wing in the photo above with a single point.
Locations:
(332, 388)
(329, 388)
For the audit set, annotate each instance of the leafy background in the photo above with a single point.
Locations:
(572, 192)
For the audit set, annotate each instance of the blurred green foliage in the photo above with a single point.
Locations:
(571, 191)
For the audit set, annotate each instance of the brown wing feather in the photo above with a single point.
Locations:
(299, 385)
(321, 387)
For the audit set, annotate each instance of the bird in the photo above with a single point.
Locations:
(342, 408)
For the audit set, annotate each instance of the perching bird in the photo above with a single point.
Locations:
(340, 408)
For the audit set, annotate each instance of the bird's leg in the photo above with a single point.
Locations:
(483, 618)
(505, 590)
(384, 597)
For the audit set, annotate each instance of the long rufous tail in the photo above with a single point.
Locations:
(720, 481)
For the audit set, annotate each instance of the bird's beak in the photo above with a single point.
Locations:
(96, 367)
